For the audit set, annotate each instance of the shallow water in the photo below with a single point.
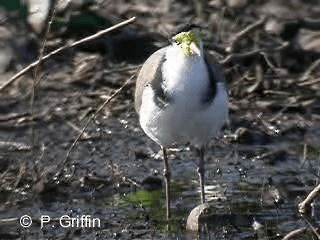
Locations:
(245, 184)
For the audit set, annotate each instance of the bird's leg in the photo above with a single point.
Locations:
(166, 174)
(201, 171)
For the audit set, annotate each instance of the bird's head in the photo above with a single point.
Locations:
(189, 42)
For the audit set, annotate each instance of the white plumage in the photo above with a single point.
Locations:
(187, 119)
(180, 97)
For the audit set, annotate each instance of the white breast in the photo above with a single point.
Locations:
(184, 76)
(185, 118)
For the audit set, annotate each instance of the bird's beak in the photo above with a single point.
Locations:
(194, 49)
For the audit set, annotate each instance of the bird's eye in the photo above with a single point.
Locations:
(172, 40)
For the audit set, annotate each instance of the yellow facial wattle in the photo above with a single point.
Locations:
(185, 39)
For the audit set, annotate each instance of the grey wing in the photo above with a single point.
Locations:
(150, 74)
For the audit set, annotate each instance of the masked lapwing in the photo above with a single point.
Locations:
(181, 98)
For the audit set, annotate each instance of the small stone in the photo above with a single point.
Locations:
(195, 216)
(38, 11)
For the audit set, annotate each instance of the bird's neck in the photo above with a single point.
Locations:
(183, 74)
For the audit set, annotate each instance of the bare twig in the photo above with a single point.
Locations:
(311, 82)
(90, 119)
(8, 220)
(295, 233)
(252, 27)
(22, 171)
(36, 78)
(14, 146)
(131, 181)
(123, 69)
(305, 205)
(76, 128)
(312, 225)
(55, 52)
(305, 152)
(236, 57)
(13, 116)
(310, 69)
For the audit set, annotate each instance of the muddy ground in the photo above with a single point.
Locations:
(260, 170)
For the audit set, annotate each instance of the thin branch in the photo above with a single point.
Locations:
(236, 57)
(13, 116)
(55, 52)
(312, 225)
(90, 119)
(252, 27)
(310, 69)
(14, 146)
(295, 233)
(305, 205)
(36, 78)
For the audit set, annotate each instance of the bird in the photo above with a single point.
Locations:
(181, 97)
